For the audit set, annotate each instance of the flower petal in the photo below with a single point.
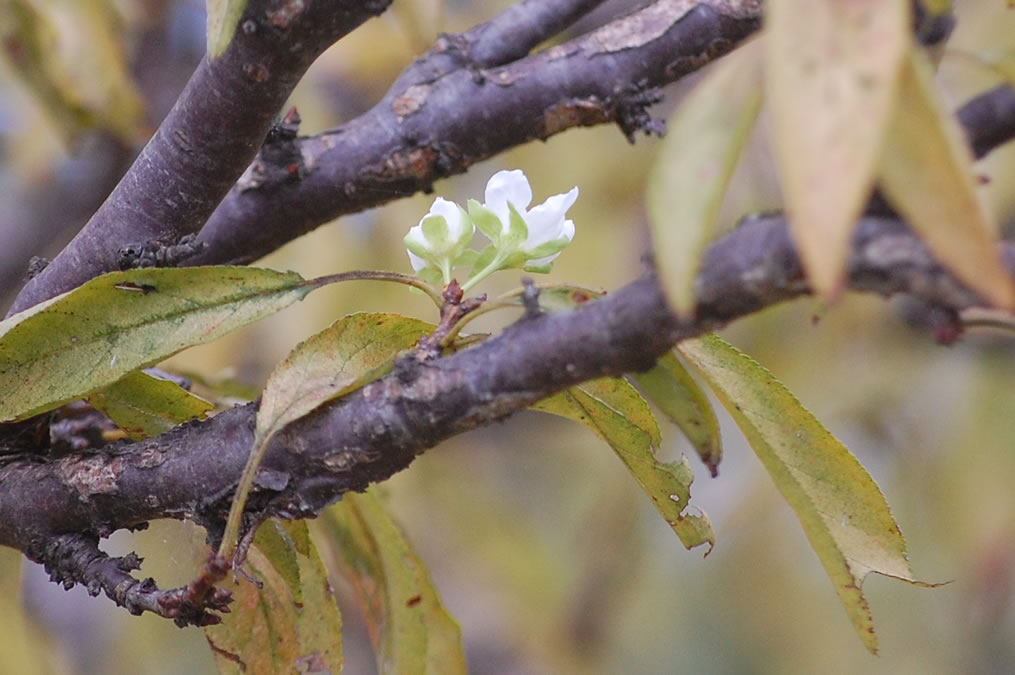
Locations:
(452, 216)
(546, 221)
(416, 262)
(508, 186)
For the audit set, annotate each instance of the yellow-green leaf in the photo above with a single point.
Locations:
(289, 623)
(343, 357)
(331, 363)
(70, 55)
(408, 626)
(88, 338)
(614, 410)
(704, 140)
(927, 174)
(675, 392)
(223, 15)
(25, 648)
(843, 513)
(831, 76)
(145, 406)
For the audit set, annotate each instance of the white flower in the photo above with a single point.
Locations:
(522, 238)
(437, 243)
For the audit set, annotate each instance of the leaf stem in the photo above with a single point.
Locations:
(230, 538)
(380, 275)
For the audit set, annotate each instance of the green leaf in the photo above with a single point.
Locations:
(612, 409)
(145, 406)
(675, 392)
(486, 221)
(289, 622)
(843, 513)
(704, 139)
(88, 338)
(223, 16)
(831, 74)
(346, 355)
(409, 627)
(927, 174)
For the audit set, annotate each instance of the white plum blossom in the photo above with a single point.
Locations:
(438, 241)
(519, 237)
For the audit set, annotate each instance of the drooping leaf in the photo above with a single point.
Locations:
(223, 16)
(927, 174)
(831, 76)
(408, 626)
(842, 510)
(704, 140)
(289, 623)
(614, 410)
(675, 392)
(88, 338)
(145, 406)
(70, 56)
(343, 357)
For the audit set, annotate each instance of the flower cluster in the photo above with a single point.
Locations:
(519, 237)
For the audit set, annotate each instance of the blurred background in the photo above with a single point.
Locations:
(540, 542)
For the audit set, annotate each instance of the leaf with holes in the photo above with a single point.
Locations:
(672, 389)
(843, 513)
(614, 410)
(409, 627)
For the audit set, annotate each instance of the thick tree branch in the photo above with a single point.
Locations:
(54, 509)
(209, 137)
(191, 472)
(448, 111)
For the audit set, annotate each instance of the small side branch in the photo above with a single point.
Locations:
(72, 559)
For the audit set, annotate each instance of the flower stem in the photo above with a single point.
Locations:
(494, 265)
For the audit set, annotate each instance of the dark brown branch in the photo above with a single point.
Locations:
(446, 113)
(378, 430)
(209, 137)
(989, 119)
